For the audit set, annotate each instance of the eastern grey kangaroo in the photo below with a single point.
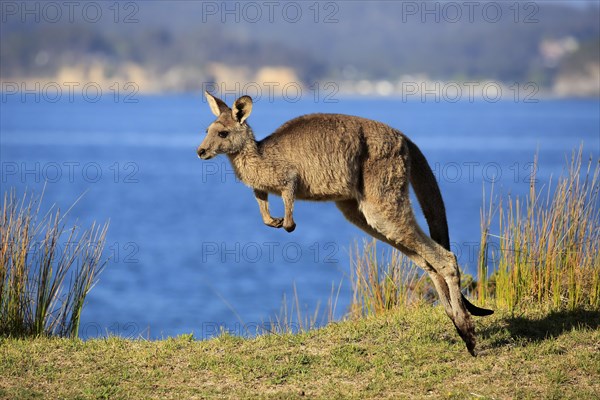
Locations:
(364, 166)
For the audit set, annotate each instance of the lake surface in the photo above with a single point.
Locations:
(189, 252)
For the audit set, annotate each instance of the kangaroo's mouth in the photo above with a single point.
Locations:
(204, 154)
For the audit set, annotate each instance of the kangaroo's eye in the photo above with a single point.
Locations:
(223, 134)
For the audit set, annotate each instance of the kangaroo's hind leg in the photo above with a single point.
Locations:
(386, 206)
(350, 210)
(396, 221)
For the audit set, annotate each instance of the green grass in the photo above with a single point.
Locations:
(398, 354)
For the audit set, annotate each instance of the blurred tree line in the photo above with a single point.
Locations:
(363, 40)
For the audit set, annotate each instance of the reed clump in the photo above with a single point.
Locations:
(547, 250)
(46, 269)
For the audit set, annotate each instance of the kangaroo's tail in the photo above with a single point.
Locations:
(430, 198)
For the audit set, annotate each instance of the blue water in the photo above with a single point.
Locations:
(189, 252)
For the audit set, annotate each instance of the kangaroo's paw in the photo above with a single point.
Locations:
(289, 227)
(466, 330)
(275, 223)
(470, 342)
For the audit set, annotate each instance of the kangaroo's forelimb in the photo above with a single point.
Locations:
(263, 205)
(287, 222)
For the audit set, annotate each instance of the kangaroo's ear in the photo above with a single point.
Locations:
(242, 109)
(217, 106)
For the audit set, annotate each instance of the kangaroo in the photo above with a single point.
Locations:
(365, 167)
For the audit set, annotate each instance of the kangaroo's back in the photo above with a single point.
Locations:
(328, 151)
(331, 137)
(317, 124)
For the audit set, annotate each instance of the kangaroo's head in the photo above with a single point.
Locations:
(229, 133)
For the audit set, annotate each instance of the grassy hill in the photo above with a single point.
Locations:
(412, 353)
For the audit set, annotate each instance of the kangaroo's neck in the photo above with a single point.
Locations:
(247, 162)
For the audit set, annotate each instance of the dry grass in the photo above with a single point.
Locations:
(294, 318)
(384, 281)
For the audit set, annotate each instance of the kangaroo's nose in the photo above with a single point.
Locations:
(201, 152)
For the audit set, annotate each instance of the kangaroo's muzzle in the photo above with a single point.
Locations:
(202, 154)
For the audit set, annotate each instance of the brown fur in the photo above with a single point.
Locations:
(364, 166)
